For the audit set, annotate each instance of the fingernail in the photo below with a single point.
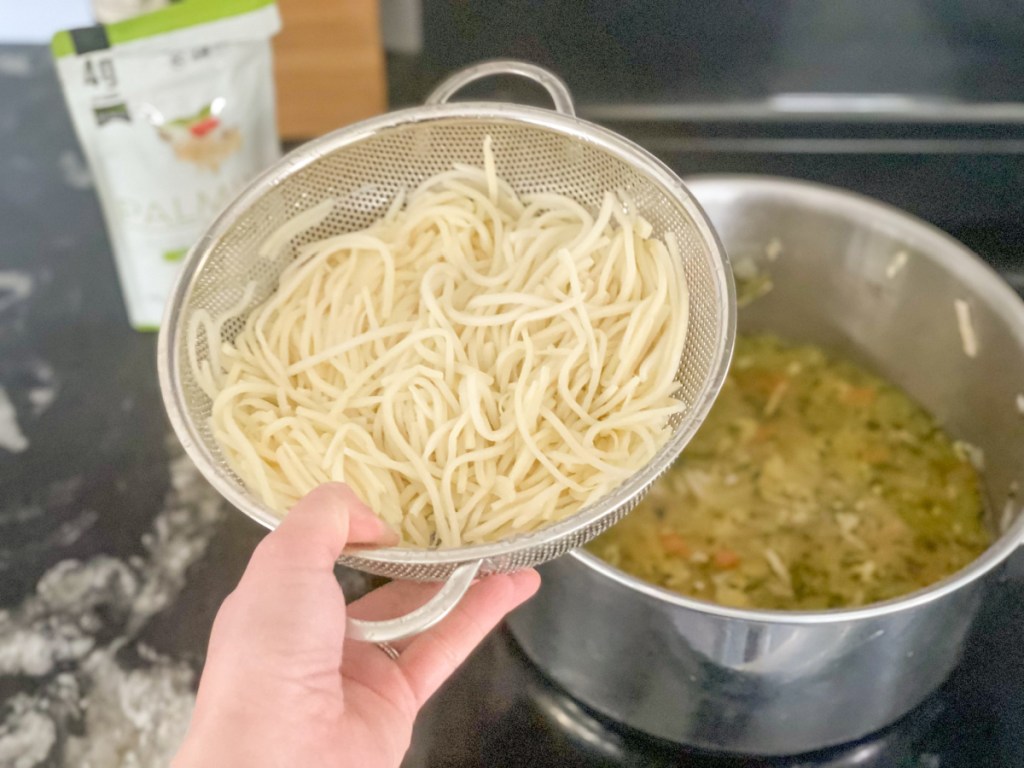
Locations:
(527, 578)
(365, 527)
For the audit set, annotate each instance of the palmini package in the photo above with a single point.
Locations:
(175, 113)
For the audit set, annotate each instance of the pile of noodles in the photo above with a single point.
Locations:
(474, 364)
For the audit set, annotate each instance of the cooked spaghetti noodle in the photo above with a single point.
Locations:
(474, 364)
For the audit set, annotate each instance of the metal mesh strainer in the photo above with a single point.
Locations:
(363, 167)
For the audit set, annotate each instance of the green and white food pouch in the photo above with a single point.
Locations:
(175, 113)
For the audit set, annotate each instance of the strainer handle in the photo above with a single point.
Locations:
(424, 617)
(557, 89)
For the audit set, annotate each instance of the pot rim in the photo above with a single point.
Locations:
(937, 245)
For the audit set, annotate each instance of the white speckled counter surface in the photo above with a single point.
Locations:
(114, 552)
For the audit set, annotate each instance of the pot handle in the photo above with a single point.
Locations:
(554, 85)
(424, 617)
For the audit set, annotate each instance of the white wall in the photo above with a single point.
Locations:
(35, 21)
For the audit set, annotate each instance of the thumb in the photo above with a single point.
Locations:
(288, 594)
(318, 528)
(286, 618)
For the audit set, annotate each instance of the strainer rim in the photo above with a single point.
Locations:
(169, 339)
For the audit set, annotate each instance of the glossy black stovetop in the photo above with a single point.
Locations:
(501, 711)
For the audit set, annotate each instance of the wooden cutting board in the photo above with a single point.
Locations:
(328, 65)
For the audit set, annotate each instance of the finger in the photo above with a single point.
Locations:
(432, 657)
(427, 660)
(392, 600)
(368, 665)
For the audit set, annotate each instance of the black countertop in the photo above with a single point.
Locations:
(114, 553)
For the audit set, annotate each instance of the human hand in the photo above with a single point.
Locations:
(283, 687)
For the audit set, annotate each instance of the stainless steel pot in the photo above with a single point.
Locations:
(913, 304)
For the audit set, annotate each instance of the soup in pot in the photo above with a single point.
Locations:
(812, 484)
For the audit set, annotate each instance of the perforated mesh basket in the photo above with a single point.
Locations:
(363, 167)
